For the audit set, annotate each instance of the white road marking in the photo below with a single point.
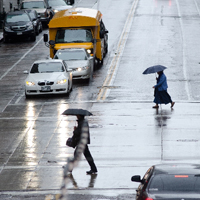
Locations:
(20, 59)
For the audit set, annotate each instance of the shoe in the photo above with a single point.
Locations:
(91, 172)
(155, 107)
(172, 104)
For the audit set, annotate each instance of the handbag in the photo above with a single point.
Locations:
(70, 142)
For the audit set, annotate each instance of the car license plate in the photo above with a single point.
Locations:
(46, 88)
(19, 33)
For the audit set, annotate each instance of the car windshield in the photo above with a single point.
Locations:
(73, 36)
(32, 15)
(47, 67)
(175, 183)
(57, 3)
(17, 17)
(32, 4)
(71, 55)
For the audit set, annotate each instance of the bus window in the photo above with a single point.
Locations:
(73, 36)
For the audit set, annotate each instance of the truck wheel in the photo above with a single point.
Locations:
(100, 62)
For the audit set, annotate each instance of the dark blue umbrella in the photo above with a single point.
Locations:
(154, 69)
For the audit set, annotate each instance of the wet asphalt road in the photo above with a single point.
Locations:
(128, 136)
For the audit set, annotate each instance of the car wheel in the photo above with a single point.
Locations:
(27, 96)
(6, 39)
(71, 87)
(37, 31)
(68, 89)
(33, 38)
(91, 75)
(41, 29)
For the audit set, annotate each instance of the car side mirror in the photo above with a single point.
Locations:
(25, 72)
(106, 31)
(136, 178)
(52, 42)
(45, 38)
(94, 41)
(69, 70)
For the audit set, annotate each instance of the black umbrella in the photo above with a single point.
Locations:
(76, 112)
(154, 69)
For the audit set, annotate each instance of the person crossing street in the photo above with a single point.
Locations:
(76, 139)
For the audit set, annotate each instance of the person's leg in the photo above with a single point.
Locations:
(90, 160)
(156, 99)
(172, 104)
(156, 106)
(167, 96)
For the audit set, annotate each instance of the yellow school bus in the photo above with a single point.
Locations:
(78, 28)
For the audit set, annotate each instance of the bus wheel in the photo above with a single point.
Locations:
(100, 62)
(97, 63)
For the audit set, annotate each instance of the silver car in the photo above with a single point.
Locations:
(41, 7)
(79, 60)
(58, 5)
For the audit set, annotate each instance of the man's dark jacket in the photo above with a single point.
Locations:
(77, 132)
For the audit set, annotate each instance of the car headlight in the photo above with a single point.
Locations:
(89, 51)
(79, 69)
(62, 81)
(30, 83)
(6, 28)
(55, 11)
(29, 26)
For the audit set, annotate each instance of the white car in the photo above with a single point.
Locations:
(79, 60)
(58, 5)
(48, 77)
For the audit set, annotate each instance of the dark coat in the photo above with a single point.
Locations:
(77, 132)
(161, 82)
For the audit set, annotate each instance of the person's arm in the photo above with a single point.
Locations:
(77, 131)
(161, 81)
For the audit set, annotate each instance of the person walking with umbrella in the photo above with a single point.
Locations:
(80, 114)
(86, 152)
(160, 89)
(161, 94)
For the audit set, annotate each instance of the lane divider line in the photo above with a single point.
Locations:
(120, 47)
(21, 59)
(183, 52)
